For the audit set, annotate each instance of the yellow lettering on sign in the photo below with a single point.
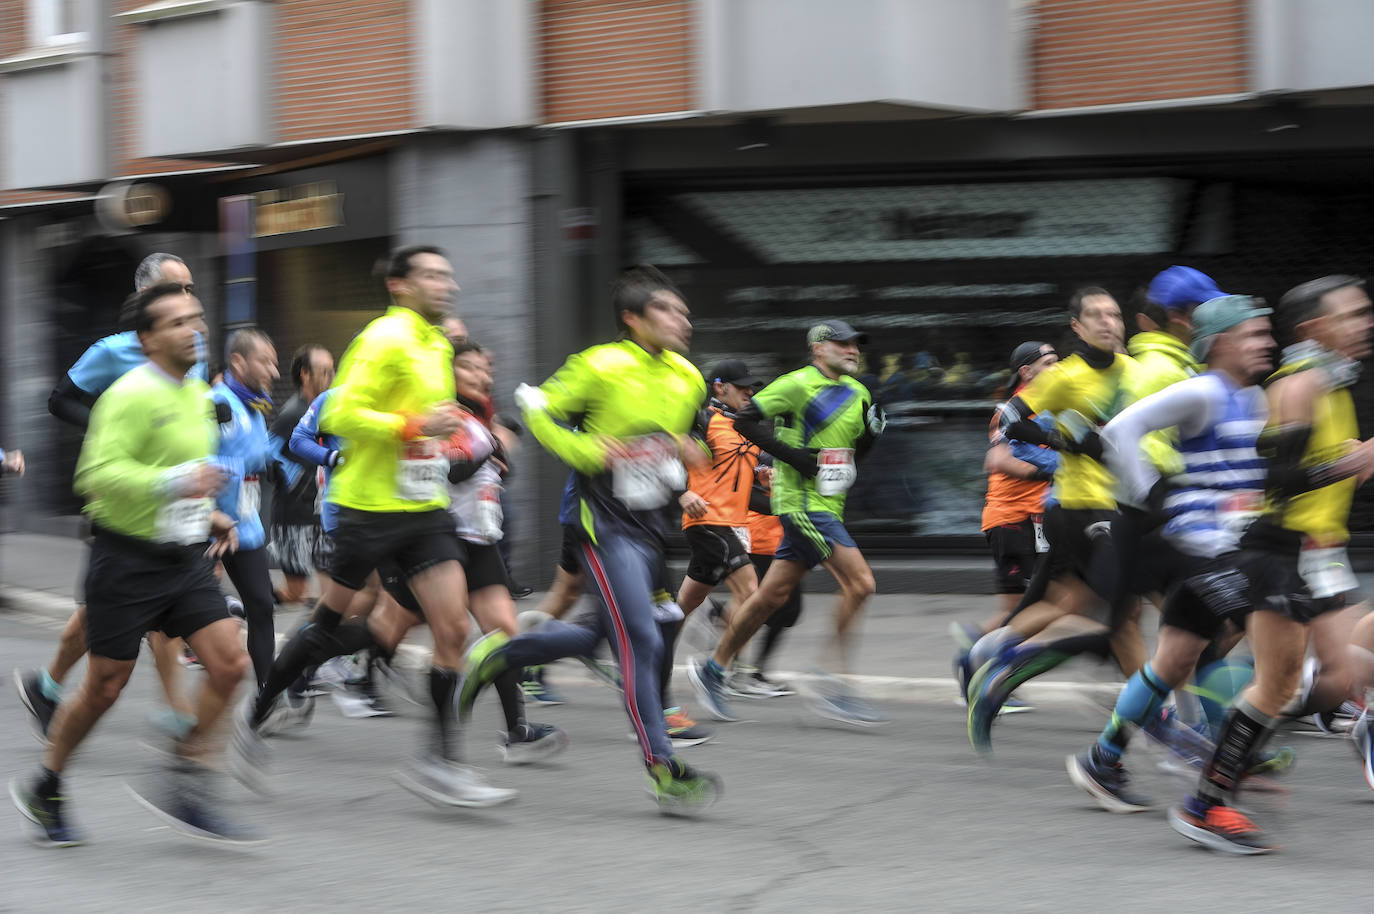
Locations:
(306, 208)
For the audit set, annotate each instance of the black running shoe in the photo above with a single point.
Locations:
(41, 708)
(187, 801)
(48, 814)
(1109, 785)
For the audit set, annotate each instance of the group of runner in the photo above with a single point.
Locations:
(1187, 468)
(1165, 473)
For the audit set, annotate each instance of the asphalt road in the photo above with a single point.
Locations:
(815, 818)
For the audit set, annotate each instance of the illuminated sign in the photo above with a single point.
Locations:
(304, 208)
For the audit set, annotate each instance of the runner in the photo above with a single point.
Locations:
(825, 423)
(393, 407)
(634, 402)
(1305, 588)
(243, 400)
(295, 511)
(106, 361)
(1218, 417)
(147, 473)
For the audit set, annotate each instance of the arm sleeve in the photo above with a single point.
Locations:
(305, 436)
(107, 464)
(70, 403)
(754, 424)
(1185, 405)
(351, 411)
(566, 395)
(1014, 422)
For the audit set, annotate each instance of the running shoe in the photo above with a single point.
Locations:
(1221, 828)
(1336, 722)
(1014, 705)
(680, 790)
(537, 690)
(288, 712)
(356, 704)
(965, 635)
(750, 683)
(48, 813)
(41, 708)
(446, 783)
(1108, 784)
(235, 607)
(335, 673)
(683, 732)
(606, 672)
(248, 757)
(709, 682)
(403, 684)
(990, 692)
(1362, 735)
(189, 659)
(833, 700)
(1190, 749)
(963, 673)
(532, 742)
(485, 661)
(188, 802)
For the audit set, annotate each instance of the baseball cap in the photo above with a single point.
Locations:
(1180, 287)
(835, 331)
(733, 371)
(1221, 314)
(1028, 352)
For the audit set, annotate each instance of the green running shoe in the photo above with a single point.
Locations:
(680, 790)
(484, 663)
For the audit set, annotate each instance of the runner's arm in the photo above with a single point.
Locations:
(758, 428)
(560, 400)
(1283, 444)
(107, 465)
(1186, 406)
(305, 437)
(70, 403)
(351, 411)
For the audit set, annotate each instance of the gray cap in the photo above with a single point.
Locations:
(835, 331)
(1218, 315)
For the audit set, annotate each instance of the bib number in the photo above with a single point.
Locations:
(835, 471)
(185, 521)
(490, 518)
(1237, 512)
(745, 538)
(250, 497)
(647, 477)
(1042, 545)
(422, 471)
(1326, 572)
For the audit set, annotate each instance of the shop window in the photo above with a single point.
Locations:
(54, 23)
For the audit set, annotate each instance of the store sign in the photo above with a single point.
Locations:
(947, 222)
(303, 208)
(124, 205)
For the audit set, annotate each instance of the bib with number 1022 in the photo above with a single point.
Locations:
(649, 474)
(835, 471)
(422, 471)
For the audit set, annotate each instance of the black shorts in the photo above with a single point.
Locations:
(1013, 555)
(133, 588)
(570, 557)
(1207, 594)
(717, 553)
(1273, 554)
(407, 543)
(483, 566)
(1079, 542)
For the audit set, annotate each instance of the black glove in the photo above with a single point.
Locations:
(223, 414)
(1090, 445)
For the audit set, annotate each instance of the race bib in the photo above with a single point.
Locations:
(250, 497)
(185, 521)
(1038, 525)
(649, 474)
(743, 535)
(422, 471)
(835, 472)
(1238, 511)
(489, 519)
(1326, 572)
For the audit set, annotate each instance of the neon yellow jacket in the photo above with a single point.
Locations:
(1164, 359)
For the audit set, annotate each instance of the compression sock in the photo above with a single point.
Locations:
(669, 631)
(442, 686)
(1242, 736)
(1140, 699)
(512, 698)
(51, 688)
(1216, 685)
(310, 646)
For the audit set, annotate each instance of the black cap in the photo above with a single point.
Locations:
(835, 331)
(735, 372)
(1027, 353)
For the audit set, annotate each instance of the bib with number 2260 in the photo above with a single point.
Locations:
(835, 471)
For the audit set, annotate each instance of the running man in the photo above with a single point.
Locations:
(147, 472)
(1303, 589)
(393, 408)
(295, 509)
(824, 424)
(635, 402)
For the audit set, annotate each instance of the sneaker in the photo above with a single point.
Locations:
(753, 684)
(446, 783)
(334, 673)
(48, 814)
(189, 660)
(1190, 749)
(41, 708)
(1362, 735)
(965, 635)
(1014, 705)
(248, 757)
(1336, 722)
(1107, 784)
(963, 673)
(1220, 828)
(683, 732)
(537, 690)
(834, 701)
(680, 790)
(532, 742)
(520, 591)
(992, 687)
(606, 672)
(235, 607)
(189, 804)
(288, 712)
(171, 723)
(356, 704)
(402, 683)
(710, 687)
(485, 662)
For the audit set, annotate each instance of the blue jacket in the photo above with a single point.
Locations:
(306, 444)
(109, 359)
(243, 453)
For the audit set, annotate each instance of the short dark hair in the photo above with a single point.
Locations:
(1076, 299)
(300, 363)
(244, 341)
(1303, 302)
(399, 266)
(634, 289)
(134, 314)
(464, 346)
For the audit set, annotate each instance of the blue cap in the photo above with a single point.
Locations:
(1182, 287)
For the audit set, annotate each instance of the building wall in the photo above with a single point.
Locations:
(1086, 52)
